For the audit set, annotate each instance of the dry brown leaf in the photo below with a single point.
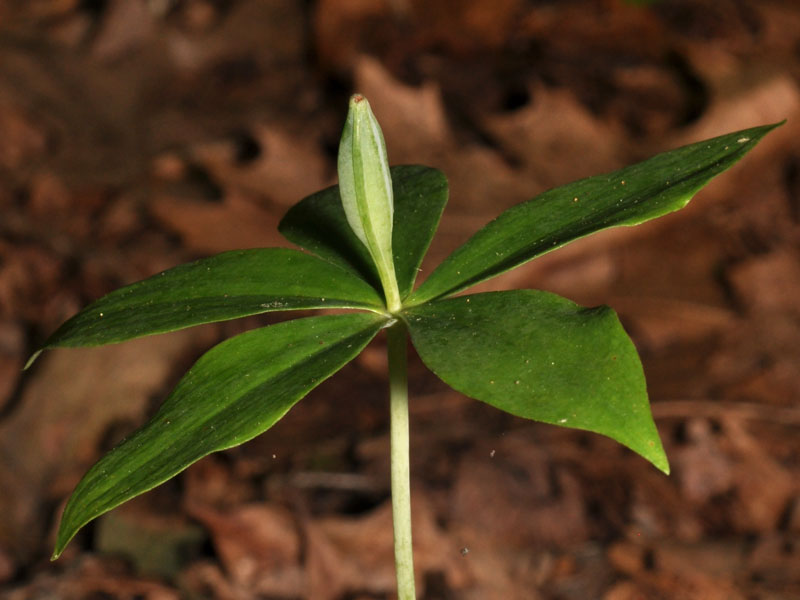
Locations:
(694, 572)
(356, 553)
(511, 500)
(701, 467)
(769, 284)
(764, 486)
(334, 17)
(555, 138)
(89, 578)
(12, 344)
(125, 27)
(210, 483)
(259, 546)
(24, 139)
(76, 395)
(468, 26)
(412, 119)
(284, 169)
(207, 228)
(206, 579)
(757, 103)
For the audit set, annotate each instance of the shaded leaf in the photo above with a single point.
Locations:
(318, 224)
(420, 195)
(234, 392)
(226, 286)
(638, 193)
(539, 356)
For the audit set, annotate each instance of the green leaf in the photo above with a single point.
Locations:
(630, 196)
(420, 195)
(318, 224)
(236, 391)
(225, 286)
(539, 356)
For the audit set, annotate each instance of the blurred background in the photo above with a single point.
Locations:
(138, 134)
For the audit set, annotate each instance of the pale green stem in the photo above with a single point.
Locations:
(401, 480)
(391, 291)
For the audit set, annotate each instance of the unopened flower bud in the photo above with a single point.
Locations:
(365, 185)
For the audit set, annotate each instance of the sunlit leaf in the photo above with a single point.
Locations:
(539, 356)
(630, 196)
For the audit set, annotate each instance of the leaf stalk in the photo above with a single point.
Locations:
(400, 464)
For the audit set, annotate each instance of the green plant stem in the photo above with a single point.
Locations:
(390, 289)
(401, 480)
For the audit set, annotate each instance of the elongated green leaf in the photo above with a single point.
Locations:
(318, 224)
(539, 356)
(630, 196)
(225, 286)
(420, 195)
(236, 391)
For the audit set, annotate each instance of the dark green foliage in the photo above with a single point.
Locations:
(530, 353)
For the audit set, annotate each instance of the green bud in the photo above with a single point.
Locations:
(365, 186)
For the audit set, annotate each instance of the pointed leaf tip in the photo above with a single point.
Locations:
(234, 392)
(662, 465)
(542, 357)
(629, 196)
(32, 359)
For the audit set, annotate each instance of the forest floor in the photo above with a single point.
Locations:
(136, 135)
